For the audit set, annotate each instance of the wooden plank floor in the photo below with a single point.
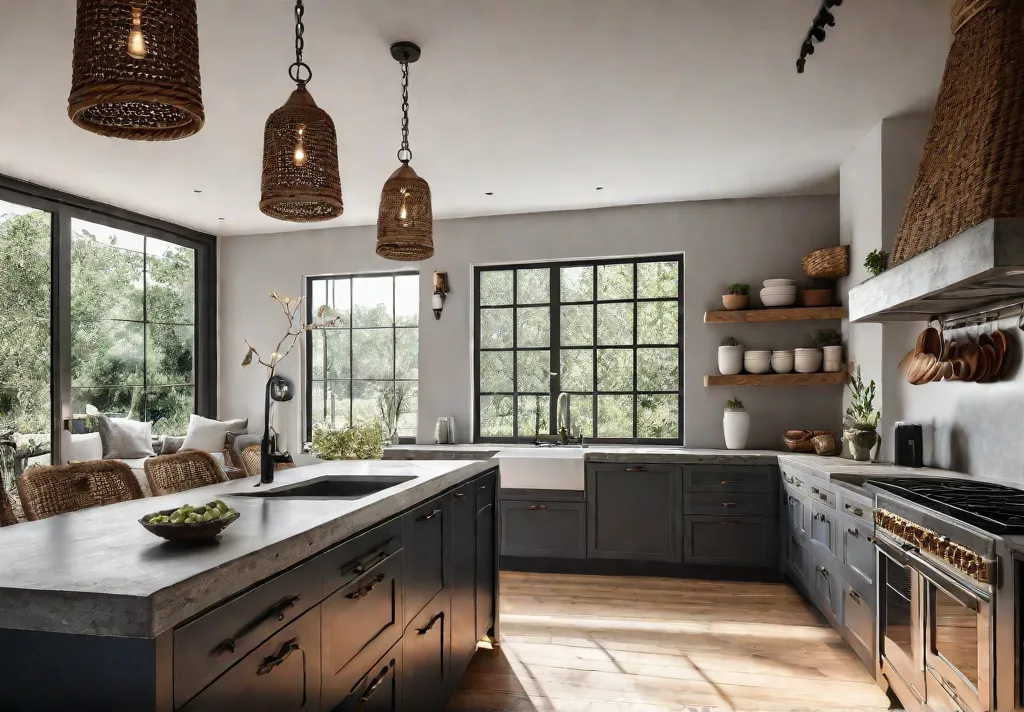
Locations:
(611, 644)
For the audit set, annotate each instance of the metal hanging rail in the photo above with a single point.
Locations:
(992, 312)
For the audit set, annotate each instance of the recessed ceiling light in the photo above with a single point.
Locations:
(600, 187)
(197, 191)
(222, 218)
(488, 193)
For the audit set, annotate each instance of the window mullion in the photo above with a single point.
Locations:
(554, 342)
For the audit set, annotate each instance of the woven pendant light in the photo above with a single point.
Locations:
(301, 182)
(405, 222)
(135, 69)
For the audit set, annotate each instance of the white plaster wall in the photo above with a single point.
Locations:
(723, 241)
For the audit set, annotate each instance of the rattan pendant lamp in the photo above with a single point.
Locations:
(135, 69)
(405, 223)
(301, 182)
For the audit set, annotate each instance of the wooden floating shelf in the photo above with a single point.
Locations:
(778, 379)
(740, 316)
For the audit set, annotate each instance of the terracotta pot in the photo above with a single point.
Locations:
(815, 297)
(736, 301)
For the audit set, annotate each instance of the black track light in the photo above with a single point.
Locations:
(818, 33)
(825, 18)
(800, 63)
(807, 48)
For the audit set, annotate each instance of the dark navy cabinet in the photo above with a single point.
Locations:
(634, 512)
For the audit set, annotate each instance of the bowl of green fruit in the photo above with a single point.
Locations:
(188, 523)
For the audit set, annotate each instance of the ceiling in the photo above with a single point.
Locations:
(539, 102)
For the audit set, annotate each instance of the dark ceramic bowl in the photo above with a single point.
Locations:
(199, 531)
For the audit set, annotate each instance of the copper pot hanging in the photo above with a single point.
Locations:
(135, 69)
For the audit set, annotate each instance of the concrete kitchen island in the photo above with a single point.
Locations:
(303, 603)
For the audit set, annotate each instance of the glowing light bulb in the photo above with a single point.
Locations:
(403, 212)
(300, 157)
(136, 40)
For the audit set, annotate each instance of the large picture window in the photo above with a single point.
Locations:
(366, 368)
(606, 333)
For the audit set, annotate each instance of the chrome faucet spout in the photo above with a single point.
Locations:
(562, 418)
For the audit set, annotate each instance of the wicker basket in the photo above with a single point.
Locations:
(800, 440)
(828, 263)
(970, 170)
(200, 531)
(824, 444)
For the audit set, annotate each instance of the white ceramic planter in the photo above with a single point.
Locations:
(730, 360)
(736, 424)
(833, 359)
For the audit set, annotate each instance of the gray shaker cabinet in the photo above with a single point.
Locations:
(634, 512)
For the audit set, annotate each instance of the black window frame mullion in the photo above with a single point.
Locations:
(555, 344)
(515, 354)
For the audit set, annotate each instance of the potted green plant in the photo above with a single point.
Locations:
(730, 357)
(860, 426)
(735, 424)
(831, 343)
(877, 262)
(737, 296)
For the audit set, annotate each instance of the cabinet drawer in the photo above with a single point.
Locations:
(281, 674)
(349, 561)
(854, 507)
(798, 513)
(729, 478)
(859, 618)
(795, 479)
(485, 490)
(799, 564)
(858, 551)
(555, 529)
(730, 541)
(377, 688)
(823, 495)
(360, 622)
(209, 645)
(426, 533)
(426, 655)
(824, 529)
(760, 503)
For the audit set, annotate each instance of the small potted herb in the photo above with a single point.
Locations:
(860, 426)
(730, 357)
(735, 424)
(877, 262)
(831, 343)
(737, 297)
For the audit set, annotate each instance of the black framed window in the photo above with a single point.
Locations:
(366, 368)
(607, 333)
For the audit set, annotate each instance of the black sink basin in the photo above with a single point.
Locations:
(331, 487)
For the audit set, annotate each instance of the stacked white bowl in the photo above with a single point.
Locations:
(779, 292)
(807, 360)
(782, 361)
(757, 361)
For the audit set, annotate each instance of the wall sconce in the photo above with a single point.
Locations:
(440, 291)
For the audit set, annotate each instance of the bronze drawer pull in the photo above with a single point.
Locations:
(856, 510)
(823, 571)
(855, 596)
(538, 506)
(820, 517)
(872, 540)
(815, 490)
(634, 469)
(799, 482)
(371, 560)
(728, 504)
(460, 495)
(273, 661)
(728, 523)
(276, 611)
(730, 482)
(365, 590)
(377, 682)
(787, 479)
(425, 517)
(853, 532)
(823, 497)
(436, 617)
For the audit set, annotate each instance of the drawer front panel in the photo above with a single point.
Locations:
(427, 663)
(730, 541)
(374, 689)
(795, 479)
(823, 529)
(543, 529)
(426, 536)
(762, 504)
(799, 561)
(822, 495)
(209, 645)
(729, 478)
(362, 620)
(855, 508)
(858, 551)
(859, 618)
(349, 561)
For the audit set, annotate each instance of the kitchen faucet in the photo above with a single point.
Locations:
(563, 420)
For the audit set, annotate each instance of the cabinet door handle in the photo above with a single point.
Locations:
(377, 682)
(729, 524)
(823, 571)
(815, 490)
(728, 504)
(729, 482)
(276, 611)
(538, 506)
(365, 590)
(482, 487)
(856, 597)
(872, 540)
(436, 617)
(853, 532)
(856, 510)
(787, 479)
(460, 495)
(425, 517)
(634, 469)
(269, 663)
(799, 482)
(821, 518)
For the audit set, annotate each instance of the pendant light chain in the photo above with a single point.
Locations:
(404, 153)
(295, 70)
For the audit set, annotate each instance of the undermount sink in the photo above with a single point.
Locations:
(332, 487)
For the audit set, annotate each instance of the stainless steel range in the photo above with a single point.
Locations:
(946, 602)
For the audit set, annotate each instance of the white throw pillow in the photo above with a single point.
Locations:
(85, 447)
(125, 438)
(209, 435)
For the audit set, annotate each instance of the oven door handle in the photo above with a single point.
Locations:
(911, 558)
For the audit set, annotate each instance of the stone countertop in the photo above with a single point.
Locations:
(99, 572)
(591, 453)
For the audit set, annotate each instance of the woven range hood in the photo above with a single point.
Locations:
(135, 69)
(972, 168)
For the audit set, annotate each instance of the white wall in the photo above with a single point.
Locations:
(723, 241)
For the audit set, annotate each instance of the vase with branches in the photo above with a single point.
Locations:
(278, 388)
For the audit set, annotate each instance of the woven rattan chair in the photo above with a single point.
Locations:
(7, 517)
(251, 461)
(182, 471)
(49, 491)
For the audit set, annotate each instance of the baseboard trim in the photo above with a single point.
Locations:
(613, 567)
